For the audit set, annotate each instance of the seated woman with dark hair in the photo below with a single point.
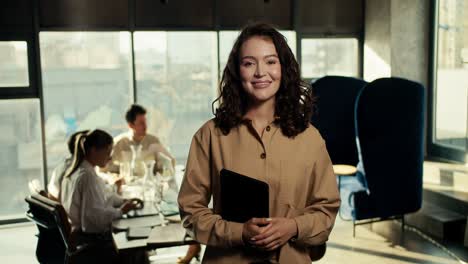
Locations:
(83, 193)
(84, 198)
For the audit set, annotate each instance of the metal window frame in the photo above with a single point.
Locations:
(437, 151)
(20, 92)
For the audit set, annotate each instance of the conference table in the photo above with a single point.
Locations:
(170, 235)
(162, 230)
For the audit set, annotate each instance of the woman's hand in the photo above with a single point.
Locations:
(277, 233)
(137, 202)
(252, 228)
(119, 183)
(131, 204)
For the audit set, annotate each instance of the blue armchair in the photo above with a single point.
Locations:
(389, 127)
(334, 116)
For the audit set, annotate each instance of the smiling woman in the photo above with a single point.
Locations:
(261, 129)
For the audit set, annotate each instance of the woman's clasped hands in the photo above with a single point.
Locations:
(268, 233)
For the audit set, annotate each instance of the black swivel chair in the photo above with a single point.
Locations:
(55, 242)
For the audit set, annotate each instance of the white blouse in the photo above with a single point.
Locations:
(89, 205)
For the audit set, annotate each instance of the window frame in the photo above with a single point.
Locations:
(30, 91)
(435, 150)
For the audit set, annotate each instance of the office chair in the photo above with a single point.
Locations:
(55, 243)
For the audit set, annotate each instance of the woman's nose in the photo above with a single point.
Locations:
(259, 70)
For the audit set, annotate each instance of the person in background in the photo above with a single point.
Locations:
(137, 136)
(261, 129)
(84, 197)
(150, 148)
(83, 193)
(57, 175)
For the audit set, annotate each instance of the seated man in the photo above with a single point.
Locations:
(138, 138)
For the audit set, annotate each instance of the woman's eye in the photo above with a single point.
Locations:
(247, 63)
(271, 62)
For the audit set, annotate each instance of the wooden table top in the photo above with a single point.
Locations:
(344, 170)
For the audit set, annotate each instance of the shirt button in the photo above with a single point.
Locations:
(268, 128)
(263, 156)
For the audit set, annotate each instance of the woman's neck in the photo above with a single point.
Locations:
(261, 115)
(91, 161)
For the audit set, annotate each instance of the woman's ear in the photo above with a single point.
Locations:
(91, 152)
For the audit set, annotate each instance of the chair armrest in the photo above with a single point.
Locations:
(78, 249)
(39, 222)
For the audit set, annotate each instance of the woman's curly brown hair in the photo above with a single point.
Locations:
(293, 105)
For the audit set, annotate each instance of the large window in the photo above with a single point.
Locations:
(329, 56)
(20, 154)
(87, 84)
(451, 79)
(13, 64)
(176, 75)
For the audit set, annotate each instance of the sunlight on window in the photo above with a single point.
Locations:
(20, 153)
(331, 56)
(87, 84)
(452, 74)
(375, 66)
(177, 81)
(14, 64)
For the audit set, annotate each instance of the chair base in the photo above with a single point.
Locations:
(374, 220)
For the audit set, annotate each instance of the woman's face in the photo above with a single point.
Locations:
(102, 155)
(260, 69)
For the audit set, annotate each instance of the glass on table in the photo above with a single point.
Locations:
(162, 185)
(125, 171)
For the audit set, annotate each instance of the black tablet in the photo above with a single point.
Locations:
(243, 197)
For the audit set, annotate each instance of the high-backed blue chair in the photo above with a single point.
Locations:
(389, 125)
(334, 116)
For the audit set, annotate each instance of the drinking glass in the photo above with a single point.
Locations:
(125, 171)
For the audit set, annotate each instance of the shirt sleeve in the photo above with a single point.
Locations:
(54, 185)
(315, 225)
(96, 214)
(159, 147)
(112, 198)
(195, 193)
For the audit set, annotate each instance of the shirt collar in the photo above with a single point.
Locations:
(130, 138)
(248, 121)
(87, 165)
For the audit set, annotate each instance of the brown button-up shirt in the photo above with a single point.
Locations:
(301, 180)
